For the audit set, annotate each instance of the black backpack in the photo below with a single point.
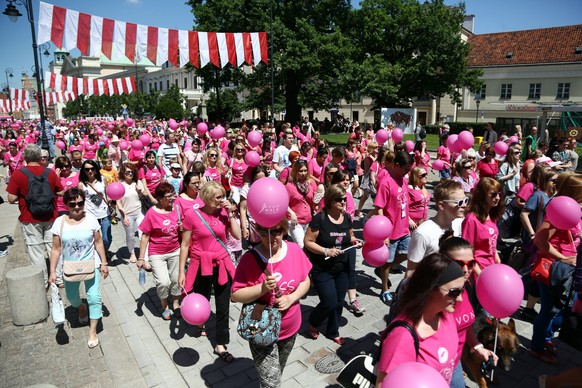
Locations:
(40, 197)
(422, 133)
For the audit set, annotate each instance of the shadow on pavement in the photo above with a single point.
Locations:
(186, 357)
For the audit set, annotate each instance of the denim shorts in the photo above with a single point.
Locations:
(445, 173)
(399, 246)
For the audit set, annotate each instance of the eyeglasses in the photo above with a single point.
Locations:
(342, 199)
(89, 168)
(454, 293)
(75, 204)
(458, 202)
(274, 232)
(470, 265)
(494, 194)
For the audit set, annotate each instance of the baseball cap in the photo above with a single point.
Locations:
(175, 165)
(547, 160)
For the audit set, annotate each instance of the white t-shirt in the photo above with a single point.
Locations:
(98, 211)
(281, 155)
(425, 239)
(78, 241)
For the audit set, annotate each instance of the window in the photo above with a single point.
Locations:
(506, 91)
(563, 91)
(534, 90)
(167, 84)
(483, 92)
(155, 86)
(161, 86)
(176, 82)
(185, 82)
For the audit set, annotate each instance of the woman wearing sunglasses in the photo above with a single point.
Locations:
(418, 197)
(464, 175)
(214, 168)
(285, 290)
(129, 206)
(427, 303)
(488, 167)
(237, 168)
(480, 224)
(150, 175)
(160, 231)
(328, 236)
(69, 179)
(77, 236)
(97, 204)
(301, 189)
(461, 252)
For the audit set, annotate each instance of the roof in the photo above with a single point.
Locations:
(527, 47)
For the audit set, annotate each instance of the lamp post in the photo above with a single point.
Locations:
(9, 74)
(477, 102)
(12, 12)
(43, 50)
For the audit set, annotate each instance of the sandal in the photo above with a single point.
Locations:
(167, 314)
(202, 330)
(93, 343)
(313, 332)
(225, 356)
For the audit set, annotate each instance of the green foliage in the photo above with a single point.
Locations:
(170, 105)
(137, 104)
(230, 107)
(478, 128)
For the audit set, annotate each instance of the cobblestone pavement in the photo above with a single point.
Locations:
(138, 348)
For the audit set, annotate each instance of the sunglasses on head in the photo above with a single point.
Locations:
(273, 232)
(458, 202)
(454, 292)
(74, 204)
(301, 161)
(470, 265)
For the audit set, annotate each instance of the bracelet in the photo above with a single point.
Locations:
(141, 258)
(478, 346)
(104, 265)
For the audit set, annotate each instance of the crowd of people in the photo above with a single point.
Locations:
(186, 201)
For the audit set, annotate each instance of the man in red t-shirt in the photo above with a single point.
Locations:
(36, 230)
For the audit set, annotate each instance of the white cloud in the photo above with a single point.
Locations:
(134, 1)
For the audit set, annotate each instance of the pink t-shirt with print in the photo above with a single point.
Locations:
(483, 237)
(464, 318)
(212, 173)
(238, 170)
(152, 177)
(90, 151)
(163, 231)
(291, 270)
(186, 206)
(68, 183)
(202, 239)
(438, 351)
(418, 204)
(393, 199)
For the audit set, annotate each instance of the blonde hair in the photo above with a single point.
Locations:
(209, 191)
(218, 158)
(414, 176)
(570, 184)
(332, 193)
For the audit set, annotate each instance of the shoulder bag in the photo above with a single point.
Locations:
(260, 323)
(99, 198)
(76, 271)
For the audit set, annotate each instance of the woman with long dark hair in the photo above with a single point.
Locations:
(130, 206)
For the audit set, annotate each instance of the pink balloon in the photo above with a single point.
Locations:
(145, 139)
(451, 143)
(397, 135)
(129, 122)
(115, 190)
(184, 123)
(218, 132)
(267, 202)
(466, 140)
(414, 375)
(513, 139)
(61, 144)
(500, 290)
(123, 145)
(82, 121)
(563, 212)
(252, 159)
(136, 145)
(37, 133)
(409, 145)
(99, 132)
(187, 146)
(381, 136)
(438, 165)
(254, 138)
(173, 125)
(375, 253)
(500, 148)
(195, 309)
(110, 127)
(202, 128)
(377, 229)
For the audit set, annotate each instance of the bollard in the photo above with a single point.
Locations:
(27, 295)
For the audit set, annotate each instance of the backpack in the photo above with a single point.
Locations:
(40, 197)
(422, 132)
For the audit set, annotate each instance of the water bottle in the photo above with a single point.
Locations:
(142, 276)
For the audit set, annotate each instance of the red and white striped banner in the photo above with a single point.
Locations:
(94, 35)
(90, 87)
(19, 94)
(17, 105)
(55, 97)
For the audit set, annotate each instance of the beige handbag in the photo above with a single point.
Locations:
(76, 271)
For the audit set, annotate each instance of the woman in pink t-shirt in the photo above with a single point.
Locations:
(427, 304)
(189, 198)
(480, 224)
(317, 164)
(421, 155)
(204, 241)
(214, 168)
(237, 168)
(90, 148)
(301, 189)
(418, 197)
(68, 179)
(247, 223)
(150, 174)
(284, 289)
(160, 228)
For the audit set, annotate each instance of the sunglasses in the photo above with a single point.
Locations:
(240, 149)
(301, 161)
(454, 293)
(274, 232)
(129, 172)
(342, 199)
(423, 175)
(459, 203)
(468, 167)
(212, 155)
(89, 168)
(494, 194)
(470, 265)
(75, 204)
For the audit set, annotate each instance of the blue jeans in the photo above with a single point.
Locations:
(93, 292)
(331, 289)
(458, 380)
(547, 320)
(352, 274)
(105, 223)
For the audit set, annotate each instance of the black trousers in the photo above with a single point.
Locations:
(203, 286)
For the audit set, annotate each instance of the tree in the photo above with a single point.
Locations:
(409, 49)
(171, 104)
(230, 106)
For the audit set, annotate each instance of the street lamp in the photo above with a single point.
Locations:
(9, 74)
(477, 102)
(13, 14)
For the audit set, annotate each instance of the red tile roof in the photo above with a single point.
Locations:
(544, 45)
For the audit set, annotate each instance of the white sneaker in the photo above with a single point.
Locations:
(4, 253)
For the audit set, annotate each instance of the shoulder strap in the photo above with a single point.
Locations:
(408, 326)
(46, 173)
(27, 172)
(96, 192)
(61, 230)
(210, 229)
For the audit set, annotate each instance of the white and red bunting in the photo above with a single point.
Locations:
(19, 94)
(52, 98)
(90, 87)
(17, 105)
(94, 35)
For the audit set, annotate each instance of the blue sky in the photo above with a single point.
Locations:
(490, 16)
